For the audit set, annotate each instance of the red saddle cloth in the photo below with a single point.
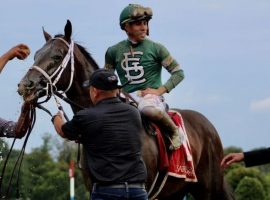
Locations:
(179, 163)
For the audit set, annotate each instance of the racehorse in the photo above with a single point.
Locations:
(62, 65)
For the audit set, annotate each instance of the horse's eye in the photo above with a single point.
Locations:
(56, 58)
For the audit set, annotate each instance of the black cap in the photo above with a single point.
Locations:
(103, 79)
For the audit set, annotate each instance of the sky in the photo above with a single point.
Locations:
(222, 46)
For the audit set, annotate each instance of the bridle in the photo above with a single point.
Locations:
(51, 89)
(53, 79)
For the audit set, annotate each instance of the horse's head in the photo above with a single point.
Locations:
(59, 65)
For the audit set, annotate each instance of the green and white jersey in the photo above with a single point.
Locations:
(142, 63)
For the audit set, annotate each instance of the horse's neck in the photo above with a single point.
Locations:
(83, 70)
(79, 97)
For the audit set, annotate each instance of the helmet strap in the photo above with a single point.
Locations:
(147, 28)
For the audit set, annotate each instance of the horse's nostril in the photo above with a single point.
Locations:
(20, 92)
(43, 83)
(29, 85)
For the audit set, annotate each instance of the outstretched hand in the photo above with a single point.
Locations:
(20, 51)
(231, 158)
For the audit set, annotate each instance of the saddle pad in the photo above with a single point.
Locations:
(181, 162)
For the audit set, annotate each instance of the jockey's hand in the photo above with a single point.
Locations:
(20, 51)
(231, 158)
(160, 91)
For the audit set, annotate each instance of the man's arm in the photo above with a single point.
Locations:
(7, 128)
(17, 129)
(58, 121)
(24, 120)
(20, 51)
(257, 157)
(251, 158)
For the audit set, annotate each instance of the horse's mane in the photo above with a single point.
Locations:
(85, 53)
(88, 56)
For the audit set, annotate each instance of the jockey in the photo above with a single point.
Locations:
(17, 129)
(140, 61)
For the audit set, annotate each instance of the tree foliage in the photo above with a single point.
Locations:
(244, 191)
(44, 175)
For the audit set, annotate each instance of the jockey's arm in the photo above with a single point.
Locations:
(176, 77)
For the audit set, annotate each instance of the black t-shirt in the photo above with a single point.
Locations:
(110, 134)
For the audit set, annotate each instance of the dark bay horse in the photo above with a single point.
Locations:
(60, 55)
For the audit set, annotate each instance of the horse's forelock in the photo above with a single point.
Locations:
(59, 36)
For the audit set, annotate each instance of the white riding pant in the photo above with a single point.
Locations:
(149, 100)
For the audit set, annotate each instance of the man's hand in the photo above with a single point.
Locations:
(58, 120)
(231, 158)
(20, 51)
(24, 120)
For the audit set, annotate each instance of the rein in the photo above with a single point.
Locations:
(51, 89)
(19, 160)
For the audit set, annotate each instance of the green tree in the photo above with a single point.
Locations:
(8, 182)
(45, 171)
(232, 149)
(236, 175)
(67, 152)
(45, 178)
(244, 191)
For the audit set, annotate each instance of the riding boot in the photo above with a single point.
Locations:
(166, 123)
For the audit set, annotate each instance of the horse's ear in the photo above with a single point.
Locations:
(68, 30)
(47, 36)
